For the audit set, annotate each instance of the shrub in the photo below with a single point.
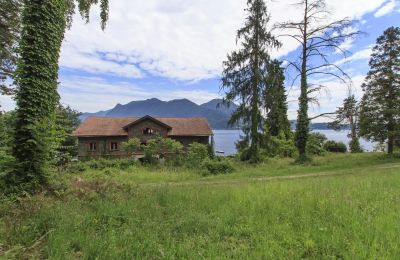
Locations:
(133, 145)
(196, 154)
(160, 147)
(102, 164)
(77, 167)
(280, 146)
(217, 166)
(315, 145)
(335, 147)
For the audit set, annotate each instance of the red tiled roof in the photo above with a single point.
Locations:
(114, 126)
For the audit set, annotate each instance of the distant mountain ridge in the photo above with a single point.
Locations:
(216, 113)
(218, 116)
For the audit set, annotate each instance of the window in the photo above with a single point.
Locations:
(92, 147)
(114, 146)
(148, 131)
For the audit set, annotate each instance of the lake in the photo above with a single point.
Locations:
(225, 139)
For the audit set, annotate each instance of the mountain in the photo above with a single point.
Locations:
(218, 117)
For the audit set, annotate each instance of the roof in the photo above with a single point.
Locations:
(147, 118)
(114, 126)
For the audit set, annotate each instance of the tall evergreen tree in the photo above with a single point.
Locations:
(380, 106)
(348, 115)
(318, 37)
(43, 26)
(243, 77)
(276, 107)
(10, 14)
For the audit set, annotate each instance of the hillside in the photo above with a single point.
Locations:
(218, 117)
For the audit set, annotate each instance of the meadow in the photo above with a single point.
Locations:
(340, 206)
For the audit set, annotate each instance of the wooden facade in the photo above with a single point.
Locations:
(100, 137)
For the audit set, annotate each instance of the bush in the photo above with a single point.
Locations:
(315, 145)
(217, 166)
(196, 154)
(102, 164)
(335, 147)
(280, 146)
(77, 167)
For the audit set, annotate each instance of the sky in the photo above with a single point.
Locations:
(175, 49)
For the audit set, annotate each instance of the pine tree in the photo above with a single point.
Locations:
(380, 106)
(43, 26)
(10, 14)
(275, 105)
(243, 77)
(348, 115)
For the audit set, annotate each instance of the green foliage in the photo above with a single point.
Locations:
(9, 30)
(131, 146)
(348, 115)
(217, 166)
(7, 128)
(275, 102)
(335, 147)
(196, 154)
(102, 164)
(355, 146)
(280, 145)
(225, 216)
(315, 145)
(37, 98)
(163, 148)
(380, 105)
(43, 27)
(245, 69)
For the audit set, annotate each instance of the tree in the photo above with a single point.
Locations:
(43, 26)
(66, 121)
(318, 38)
(243, 74)
(9, 35)
(380, 105)
(348, 115)
(275, 102)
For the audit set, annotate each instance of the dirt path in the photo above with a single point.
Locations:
(246, 180)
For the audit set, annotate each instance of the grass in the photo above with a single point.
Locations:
(147, 213)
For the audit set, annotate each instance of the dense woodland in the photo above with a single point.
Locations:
(36, 137)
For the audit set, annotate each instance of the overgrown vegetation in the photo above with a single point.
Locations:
(123, 213)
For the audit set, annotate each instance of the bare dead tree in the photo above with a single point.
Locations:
(318, 38)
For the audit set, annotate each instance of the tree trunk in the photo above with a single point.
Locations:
(390, 145)
(44, 24)
(302, 118)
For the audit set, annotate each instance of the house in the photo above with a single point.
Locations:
(102, 136)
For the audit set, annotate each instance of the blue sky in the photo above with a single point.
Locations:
(175, 49)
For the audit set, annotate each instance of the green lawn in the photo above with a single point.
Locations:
(152, 213)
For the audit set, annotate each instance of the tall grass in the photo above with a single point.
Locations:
(354, 216)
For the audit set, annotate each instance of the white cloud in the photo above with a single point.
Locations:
(387, 8)
(91, 94)
(359, 55)
(179, 39)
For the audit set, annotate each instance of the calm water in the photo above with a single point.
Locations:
(225, 139)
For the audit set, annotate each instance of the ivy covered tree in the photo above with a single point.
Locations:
(243, 75)
(43, 26)
(10, 14)
(318, 38)
(348, 115)
(275, 103)
(380, 105)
